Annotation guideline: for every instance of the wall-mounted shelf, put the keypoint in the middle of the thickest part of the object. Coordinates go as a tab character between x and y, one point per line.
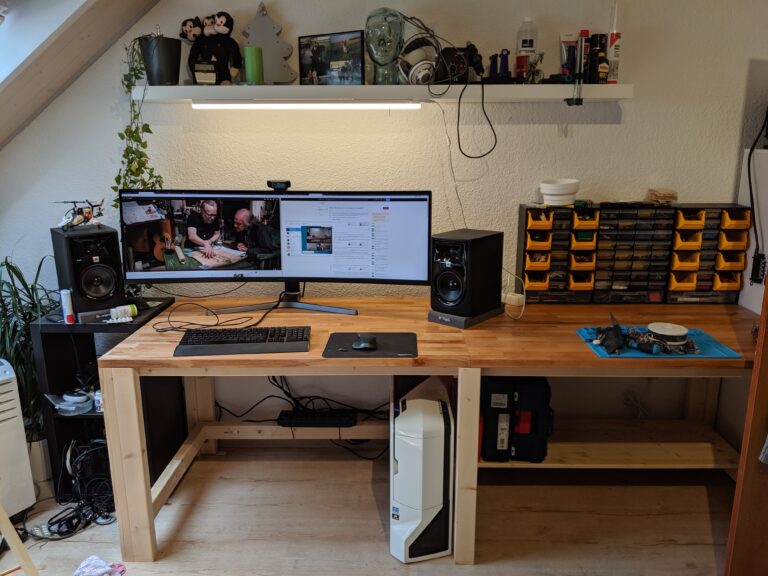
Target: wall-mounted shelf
340	94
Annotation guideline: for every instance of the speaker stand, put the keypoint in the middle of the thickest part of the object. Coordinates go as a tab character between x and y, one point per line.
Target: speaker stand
291	299
462	321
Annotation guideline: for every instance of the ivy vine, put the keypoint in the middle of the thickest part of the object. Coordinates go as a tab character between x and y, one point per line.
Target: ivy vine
135	172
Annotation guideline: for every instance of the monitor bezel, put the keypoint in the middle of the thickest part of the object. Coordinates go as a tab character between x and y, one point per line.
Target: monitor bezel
286	279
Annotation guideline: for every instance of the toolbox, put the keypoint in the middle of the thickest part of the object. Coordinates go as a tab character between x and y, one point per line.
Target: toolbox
517	419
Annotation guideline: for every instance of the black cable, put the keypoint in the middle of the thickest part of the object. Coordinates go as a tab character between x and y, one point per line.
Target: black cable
263	316
168	326
220	407
356	453
485	113
758	259
199	296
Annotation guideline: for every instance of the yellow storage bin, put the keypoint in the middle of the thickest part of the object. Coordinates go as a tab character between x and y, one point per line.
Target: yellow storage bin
586	220
538	240
537	260
733	240
682	281
726	281
690	219
583	244
736	219
685	261
581	281
583	260
687	240
730	261
539	219
537	281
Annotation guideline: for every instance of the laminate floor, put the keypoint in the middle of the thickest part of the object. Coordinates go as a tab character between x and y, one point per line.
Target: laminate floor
322	512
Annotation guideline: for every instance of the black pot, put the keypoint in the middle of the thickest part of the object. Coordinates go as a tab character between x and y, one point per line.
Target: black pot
162	59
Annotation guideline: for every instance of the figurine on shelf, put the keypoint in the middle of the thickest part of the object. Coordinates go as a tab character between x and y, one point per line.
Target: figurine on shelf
215	56
384	41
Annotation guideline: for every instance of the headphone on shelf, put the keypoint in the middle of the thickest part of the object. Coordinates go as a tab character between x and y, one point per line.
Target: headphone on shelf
418	59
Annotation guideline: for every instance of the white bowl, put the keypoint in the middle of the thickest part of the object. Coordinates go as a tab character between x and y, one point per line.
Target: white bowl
559	186
559	192
558	200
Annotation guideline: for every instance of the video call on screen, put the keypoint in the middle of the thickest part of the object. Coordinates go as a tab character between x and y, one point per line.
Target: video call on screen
188	235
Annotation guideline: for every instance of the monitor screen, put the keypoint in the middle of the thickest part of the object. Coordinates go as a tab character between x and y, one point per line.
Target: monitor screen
177	236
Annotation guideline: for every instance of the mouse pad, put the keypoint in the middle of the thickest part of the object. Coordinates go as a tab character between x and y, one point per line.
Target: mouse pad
388	345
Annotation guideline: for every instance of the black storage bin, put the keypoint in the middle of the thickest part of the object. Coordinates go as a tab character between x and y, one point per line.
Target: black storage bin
517	418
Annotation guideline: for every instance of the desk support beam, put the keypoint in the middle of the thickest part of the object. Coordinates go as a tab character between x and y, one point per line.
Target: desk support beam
129	468
467	426
200	398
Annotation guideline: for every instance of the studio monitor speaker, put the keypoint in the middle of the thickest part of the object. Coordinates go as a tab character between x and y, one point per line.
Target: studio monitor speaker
88	263
466	274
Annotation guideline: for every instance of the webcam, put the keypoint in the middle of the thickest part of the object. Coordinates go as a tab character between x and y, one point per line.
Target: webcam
279	185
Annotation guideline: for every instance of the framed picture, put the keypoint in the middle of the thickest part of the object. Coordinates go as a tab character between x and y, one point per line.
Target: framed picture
331	58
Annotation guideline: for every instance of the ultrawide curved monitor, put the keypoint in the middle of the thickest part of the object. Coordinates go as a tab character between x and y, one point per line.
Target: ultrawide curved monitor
218	235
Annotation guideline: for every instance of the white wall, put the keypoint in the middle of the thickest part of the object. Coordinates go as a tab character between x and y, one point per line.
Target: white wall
28	24
688	59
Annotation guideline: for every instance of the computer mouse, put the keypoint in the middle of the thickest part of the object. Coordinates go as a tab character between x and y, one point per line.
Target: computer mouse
365	342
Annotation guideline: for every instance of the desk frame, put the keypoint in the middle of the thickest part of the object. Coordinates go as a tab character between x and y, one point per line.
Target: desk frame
468	355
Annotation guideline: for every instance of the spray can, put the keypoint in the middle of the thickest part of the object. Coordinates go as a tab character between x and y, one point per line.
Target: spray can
66	306
614	46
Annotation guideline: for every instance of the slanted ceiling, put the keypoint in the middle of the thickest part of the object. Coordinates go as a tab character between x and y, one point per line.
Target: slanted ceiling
61	58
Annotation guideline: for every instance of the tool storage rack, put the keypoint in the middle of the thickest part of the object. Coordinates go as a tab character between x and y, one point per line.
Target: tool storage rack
633	253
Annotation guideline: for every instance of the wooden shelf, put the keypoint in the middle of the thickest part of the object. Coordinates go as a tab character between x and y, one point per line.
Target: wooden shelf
341	94
636	444
365	430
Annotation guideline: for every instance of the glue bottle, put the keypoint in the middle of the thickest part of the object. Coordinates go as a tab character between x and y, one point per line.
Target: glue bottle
527	37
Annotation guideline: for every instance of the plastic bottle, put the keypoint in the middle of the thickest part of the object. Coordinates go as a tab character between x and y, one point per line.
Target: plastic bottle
614	46
527	37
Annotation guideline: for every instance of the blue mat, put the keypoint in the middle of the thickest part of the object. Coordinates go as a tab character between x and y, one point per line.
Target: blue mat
709	347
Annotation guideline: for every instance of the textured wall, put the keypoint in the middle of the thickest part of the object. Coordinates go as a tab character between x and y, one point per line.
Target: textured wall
688	59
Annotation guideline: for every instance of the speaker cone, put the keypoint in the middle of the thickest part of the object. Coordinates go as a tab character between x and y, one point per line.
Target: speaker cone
450	287
98	281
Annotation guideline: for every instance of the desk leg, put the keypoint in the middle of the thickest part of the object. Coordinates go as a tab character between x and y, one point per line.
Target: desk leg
200	396
127	444
467	431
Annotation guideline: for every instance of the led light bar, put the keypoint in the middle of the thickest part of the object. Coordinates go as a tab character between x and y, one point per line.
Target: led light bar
210	105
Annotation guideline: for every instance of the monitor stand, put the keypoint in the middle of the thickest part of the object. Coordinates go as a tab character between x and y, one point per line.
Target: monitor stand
291	299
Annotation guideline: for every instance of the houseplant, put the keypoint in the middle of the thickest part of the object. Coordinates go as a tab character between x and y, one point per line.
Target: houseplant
135	171
21	302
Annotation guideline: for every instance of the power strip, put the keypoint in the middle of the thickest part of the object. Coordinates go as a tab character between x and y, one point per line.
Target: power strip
513	299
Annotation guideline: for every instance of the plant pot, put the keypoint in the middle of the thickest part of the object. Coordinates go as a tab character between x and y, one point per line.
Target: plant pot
162	59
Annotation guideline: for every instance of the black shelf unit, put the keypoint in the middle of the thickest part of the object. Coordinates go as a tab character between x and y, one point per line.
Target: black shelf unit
64	350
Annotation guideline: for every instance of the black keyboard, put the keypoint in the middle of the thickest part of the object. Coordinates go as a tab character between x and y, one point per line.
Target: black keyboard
217	341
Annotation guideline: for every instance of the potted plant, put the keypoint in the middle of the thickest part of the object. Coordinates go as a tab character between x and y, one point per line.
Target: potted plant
21	302
135	171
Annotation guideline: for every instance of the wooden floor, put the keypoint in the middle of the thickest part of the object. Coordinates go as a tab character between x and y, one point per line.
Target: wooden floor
322	512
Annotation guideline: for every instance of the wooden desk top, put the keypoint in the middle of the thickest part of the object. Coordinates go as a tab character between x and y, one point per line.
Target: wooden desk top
543	342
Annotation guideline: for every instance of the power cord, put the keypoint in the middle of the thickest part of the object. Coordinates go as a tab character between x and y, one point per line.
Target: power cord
168	325
506	293
758	258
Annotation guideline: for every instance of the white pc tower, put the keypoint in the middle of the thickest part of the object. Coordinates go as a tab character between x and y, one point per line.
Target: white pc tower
17	491
421	474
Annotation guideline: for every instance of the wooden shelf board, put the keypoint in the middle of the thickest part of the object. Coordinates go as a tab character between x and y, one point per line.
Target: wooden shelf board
295	93
366	430
633	444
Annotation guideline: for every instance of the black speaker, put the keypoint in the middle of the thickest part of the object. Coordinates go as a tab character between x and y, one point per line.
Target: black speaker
466	272
88	263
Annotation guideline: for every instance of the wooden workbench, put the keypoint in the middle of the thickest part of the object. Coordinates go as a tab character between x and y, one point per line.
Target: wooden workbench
543	343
